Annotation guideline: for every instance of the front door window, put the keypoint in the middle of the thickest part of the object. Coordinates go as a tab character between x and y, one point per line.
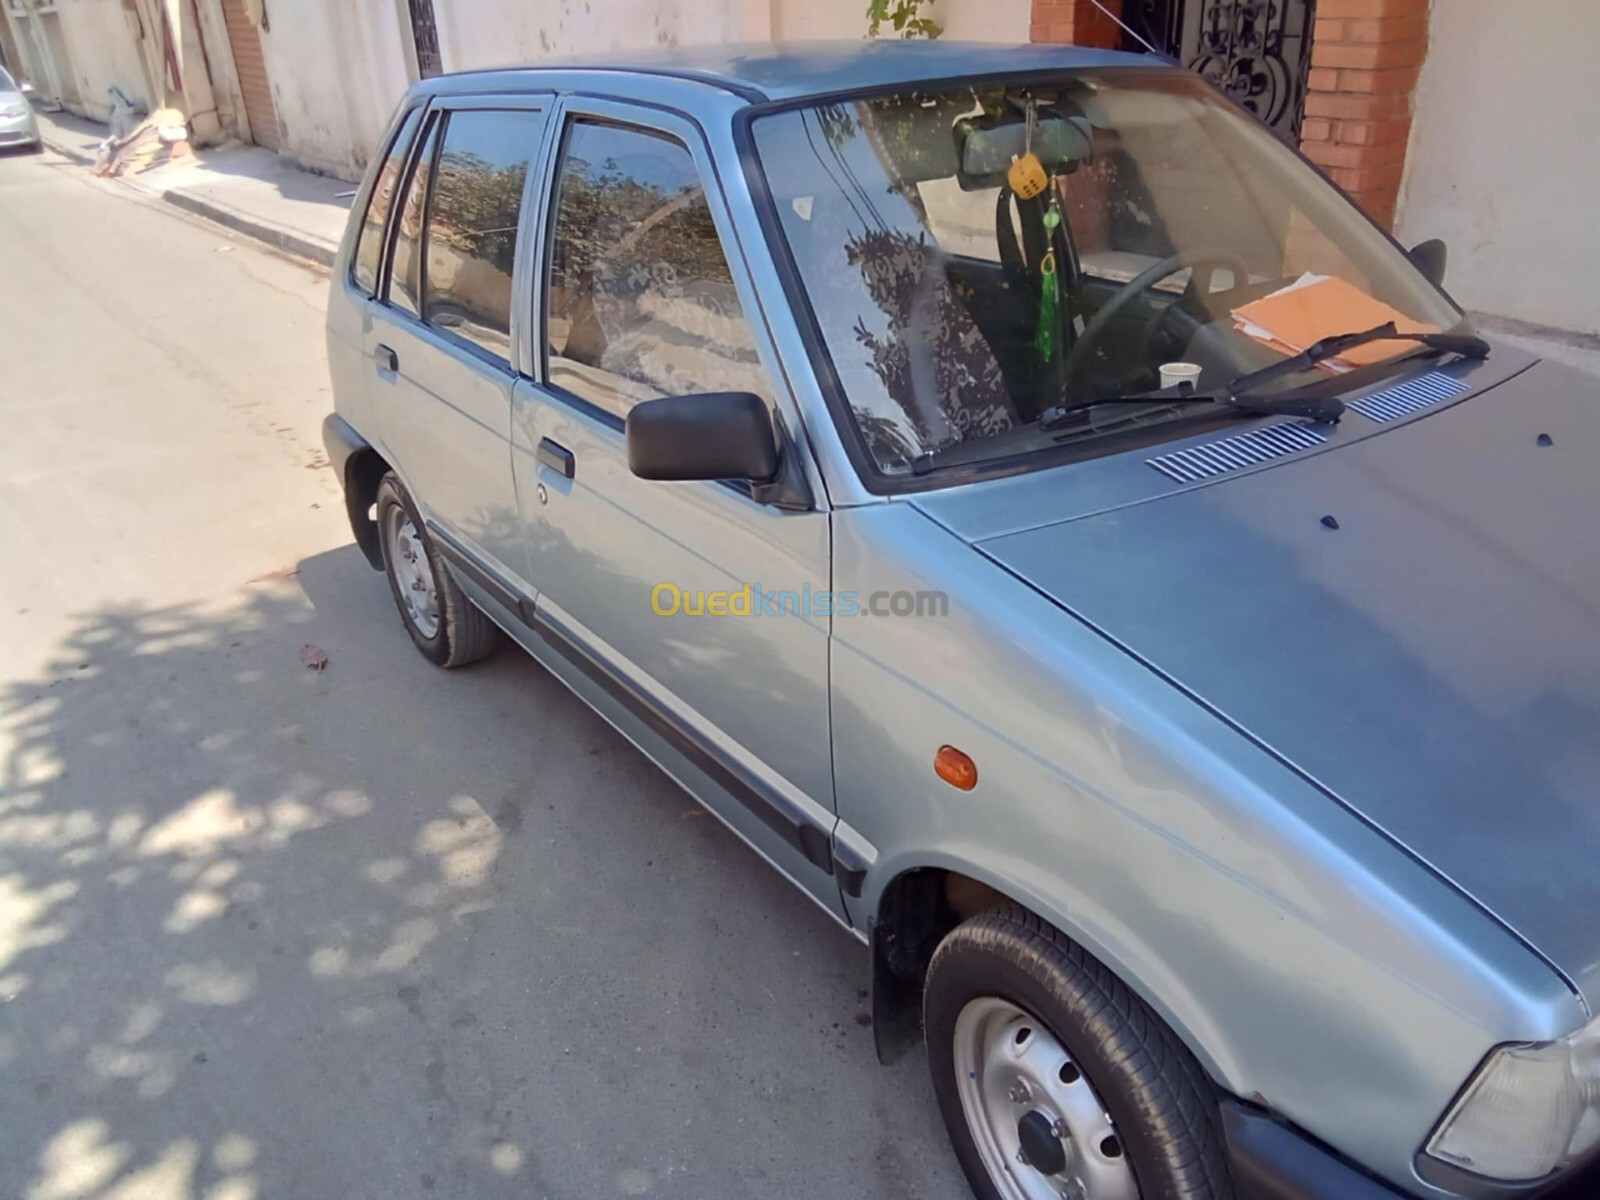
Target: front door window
641	300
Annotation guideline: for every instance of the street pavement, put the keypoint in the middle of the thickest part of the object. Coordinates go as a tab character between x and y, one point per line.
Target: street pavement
377	930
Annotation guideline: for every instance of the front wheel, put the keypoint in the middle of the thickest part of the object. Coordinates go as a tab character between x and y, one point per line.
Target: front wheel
449	629
1055	1081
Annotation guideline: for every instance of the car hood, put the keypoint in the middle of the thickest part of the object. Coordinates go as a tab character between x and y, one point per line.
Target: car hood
1410	619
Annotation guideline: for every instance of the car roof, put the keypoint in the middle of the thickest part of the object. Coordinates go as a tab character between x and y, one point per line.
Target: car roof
797	70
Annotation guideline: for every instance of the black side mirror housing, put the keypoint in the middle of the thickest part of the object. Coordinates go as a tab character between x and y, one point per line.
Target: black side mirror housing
1430	258
714	435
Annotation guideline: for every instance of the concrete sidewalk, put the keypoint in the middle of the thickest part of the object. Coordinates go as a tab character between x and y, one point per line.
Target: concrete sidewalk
245	188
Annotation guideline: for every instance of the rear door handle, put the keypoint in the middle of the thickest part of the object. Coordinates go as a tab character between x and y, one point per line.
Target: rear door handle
557	457
386	358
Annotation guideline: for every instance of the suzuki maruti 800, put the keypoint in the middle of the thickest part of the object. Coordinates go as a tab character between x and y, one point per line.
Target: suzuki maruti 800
1048	522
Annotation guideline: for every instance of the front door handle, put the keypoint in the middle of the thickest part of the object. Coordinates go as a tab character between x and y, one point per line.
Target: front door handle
386	358
557	457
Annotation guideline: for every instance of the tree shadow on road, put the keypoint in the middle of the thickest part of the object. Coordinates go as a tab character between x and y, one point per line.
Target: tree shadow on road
380	930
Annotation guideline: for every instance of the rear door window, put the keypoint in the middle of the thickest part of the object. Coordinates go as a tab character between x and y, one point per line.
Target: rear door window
471	224
365	266
405	269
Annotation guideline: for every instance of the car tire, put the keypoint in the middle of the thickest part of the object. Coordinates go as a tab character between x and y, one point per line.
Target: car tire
1036	1048
447	627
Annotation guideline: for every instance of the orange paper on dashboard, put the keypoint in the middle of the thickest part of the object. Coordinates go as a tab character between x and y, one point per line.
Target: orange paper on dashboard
1300	316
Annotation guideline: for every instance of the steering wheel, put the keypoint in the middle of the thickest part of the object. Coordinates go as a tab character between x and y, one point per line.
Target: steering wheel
1094	332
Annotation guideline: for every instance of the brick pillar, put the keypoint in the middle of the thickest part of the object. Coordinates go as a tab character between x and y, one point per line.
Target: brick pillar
1075	21
1365	57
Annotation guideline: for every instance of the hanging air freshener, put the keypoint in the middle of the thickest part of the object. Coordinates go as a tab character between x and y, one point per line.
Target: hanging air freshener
1049	328
1026	175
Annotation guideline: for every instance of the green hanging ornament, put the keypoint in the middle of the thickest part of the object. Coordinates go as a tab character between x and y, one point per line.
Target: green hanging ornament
1044	338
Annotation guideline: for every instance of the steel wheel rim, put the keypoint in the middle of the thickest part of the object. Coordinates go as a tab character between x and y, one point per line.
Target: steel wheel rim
413	572
1016	1080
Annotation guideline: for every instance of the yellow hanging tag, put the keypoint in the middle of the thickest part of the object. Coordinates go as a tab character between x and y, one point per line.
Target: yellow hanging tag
1026	176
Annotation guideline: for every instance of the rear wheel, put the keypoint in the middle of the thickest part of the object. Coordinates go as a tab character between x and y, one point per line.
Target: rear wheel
449	629
1055	1081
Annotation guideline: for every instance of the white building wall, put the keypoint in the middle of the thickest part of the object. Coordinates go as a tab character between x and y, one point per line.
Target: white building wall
337	72
1504	162
104	38
488	33
493	33
26	62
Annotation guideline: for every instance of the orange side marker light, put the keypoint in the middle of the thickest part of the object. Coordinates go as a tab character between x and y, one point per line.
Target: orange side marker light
956	768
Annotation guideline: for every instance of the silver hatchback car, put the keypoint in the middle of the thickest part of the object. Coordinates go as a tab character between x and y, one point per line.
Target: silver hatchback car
19	125
1048	522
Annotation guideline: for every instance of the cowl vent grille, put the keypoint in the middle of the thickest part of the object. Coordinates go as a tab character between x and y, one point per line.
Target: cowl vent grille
1412	396
1238	452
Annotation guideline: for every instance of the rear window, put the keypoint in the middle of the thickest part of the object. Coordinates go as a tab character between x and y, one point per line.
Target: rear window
405	266
369	245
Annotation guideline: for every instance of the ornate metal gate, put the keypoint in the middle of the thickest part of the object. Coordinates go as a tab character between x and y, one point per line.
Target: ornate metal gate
1258	51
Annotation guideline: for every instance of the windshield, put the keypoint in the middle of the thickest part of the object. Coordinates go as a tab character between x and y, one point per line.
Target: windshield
6	83
976	257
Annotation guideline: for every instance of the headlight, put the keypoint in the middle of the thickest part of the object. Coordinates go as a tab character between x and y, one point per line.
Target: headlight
14	110
1529	1110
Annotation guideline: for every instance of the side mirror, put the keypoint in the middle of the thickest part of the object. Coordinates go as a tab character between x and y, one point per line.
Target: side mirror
1430	258
29	92
716	435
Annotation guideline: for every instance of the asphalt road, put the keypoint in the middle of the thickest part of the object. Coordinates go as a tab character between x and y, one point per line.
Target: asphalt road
374	931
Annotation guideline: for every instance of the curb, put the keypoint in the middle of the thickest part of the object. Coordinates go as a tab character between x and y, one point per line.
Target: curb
272	235
77	156
276	236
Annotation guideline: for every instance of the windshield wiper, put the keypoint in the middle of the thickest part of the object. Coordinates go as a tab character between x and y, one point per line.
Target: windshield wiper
1238	393
1465	345
1317	408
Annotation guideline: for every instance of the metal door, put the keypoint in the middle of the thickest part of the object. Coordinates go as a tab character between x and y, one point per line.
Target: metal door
738	692
441	402
250	66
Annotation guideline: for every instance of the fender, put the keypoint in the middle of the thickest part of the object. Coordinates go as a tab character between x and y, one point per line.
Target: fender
359	468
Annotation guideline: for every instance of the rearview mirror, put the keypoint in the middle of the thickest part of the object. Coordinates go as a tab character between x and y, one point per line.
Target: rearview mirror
715	435
1430	257
986	152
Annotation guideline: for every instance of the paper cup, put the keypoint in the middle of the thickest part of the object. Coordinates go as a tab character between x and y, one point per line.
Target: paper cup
1172	374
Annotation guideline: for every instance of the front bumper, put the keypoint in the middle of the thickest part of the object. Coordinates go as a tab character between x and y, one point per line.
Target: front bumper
1272	1161
19	131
